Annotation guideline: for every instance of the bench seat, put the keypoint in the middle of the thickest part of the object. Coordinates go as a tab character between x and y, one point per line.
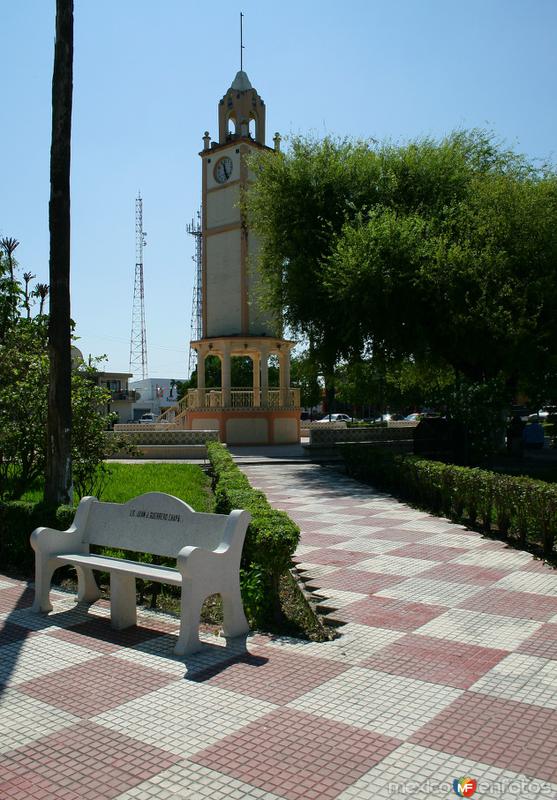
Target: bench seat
148	572
207	549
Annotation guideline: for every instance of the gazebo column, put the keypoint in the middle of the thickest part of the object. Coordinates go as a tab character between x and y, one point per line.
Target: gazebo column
201	377
256	361
284	364
225	375
265	377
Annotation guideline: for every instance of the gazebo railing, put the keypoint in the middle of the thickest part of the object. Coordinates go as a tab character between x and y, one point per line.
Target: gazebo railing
274	399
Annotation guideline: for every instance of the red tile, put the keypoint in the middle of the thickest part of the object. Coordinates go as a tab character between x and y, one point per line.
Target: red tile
268	674
394	535
16	597
429	552
320	540
338	558
95	686
297	755
386	612
524	605
10	633
353	580
542	643
507	734
98	634
463	573
81	762
436	660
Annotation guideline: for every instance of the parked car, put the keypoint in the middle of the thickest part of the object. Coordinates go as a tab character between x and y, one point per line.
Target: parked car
148	418
335	418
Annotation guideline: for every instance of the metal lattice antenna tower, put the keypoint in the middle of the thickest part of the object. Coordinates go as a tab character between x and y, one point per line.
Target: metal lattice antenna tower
196	332
138	342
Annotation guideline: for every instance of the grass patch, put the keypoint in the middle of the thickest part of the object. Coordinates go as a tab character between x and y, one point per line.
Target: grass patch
186	481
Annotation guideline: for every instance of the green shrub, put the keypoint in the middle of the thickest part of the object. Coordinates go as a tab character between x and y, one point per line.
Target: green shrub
271	538
522	508
18	520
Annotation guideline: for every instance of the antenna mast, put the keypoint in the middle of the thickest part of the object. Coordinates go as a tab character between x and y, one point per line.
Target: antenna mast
241	41
138	342
194	229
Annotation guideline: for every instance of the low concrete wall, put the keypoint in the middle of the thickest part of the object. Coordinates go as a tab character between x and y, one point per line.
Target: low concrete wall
323	444
149	426
402	423
170	451
324	435
306	426
166	437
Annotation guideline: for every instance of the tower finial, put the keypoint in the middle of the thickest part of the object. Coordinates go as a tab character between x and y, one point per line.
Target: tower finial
241	41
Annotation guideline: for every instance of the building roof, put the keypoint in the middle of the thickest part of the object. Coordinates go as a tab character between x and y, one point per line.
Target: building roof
241	82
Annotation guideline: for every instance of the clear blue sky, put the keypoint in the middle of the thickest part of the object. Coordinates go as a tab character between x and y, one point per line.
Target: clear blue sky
147	80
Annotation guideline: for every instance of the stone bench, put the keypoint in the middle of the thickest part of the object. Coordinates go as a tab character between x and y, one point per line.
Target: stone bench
207	549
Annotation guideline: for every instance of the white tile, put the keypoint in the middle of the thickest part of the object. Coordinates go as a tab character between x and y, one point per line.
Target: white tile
367	545
39	655
494	559
189	781
523	678
425	774
24	719
185	715
339	599
355	644
395	565
475	627
389	704
428	590
452	538
529	582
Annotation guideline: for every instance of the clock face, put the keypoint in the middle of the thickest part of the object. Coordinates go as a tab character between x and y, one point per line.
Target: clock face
223	170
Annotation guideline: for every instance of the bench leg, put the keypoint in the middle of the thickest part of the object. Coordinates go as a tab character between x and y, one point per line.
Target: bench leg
190	612
43	575
123	610
234	619
87	589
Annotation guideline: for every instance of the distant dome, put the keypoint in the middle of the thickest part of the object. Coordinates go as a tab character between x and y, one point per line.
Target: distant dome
241	82
77	357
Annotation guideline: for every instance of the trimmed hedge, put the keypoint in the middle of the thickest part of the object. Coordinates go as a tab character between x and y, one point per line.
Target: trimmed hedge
521	508
18	519
271	537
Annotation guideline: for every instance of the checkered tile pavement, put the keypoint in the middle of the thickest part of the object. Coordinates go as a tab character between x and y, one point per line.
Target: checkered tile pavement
446	666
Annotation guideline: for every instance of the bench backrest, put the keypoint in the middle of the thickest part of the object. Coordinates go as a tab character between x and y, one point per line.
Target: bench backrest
152	523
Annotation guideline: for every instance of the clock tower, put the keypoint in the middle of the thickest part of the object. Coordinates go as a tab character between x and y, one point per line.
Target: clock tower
233	322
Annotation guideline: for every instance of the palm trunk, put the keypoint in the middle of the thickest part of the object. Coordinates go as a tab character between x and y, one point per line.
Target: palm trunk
58	467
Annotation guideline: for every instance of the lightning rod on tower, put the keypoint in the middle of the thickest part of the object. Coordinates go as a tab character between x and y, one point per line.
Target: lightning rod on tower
138	342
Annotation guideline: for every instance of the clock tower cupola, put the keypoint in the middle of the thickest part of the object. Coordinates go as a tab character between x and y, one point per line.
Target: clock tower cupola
234	322
241	112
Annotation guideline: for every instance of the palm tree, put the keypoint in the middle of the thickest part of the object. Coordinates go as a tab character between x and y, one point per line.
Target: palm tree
41	291
58	459
8	245
27	277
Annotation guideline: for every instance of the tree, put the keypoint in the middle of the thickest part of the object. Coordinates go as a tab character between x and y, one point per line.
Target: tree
298	206
24	372
58	462
432	252
41	291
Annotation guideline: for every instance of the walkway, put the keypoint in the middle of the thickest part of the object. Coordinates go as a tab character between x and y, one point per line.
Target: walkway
446	667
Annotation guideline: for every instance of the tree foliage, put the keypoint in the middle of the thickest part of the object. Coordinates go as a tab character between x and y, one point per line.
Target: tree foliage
434	252
24	375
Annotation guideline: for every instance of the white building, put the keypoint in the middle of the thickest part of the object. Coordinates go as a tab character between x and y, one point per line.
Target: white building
154	394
